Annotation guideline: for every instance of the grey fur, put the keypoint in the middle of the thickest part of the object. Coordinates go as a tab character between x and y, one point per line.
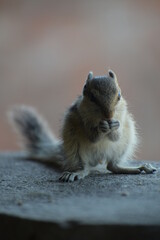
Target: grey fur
37	137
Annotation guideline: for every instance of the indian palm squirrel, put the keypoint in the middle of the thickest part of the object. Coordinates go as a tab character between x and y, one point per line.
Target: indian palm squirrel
98	132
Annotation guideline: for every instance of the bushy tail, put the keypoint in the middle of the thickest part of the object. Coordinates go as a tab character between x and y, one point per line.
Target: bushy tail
36	136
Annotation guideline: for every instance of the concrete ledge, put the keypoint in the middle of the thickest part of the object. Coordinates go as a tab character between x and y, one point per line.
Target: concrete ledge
20	228
35	205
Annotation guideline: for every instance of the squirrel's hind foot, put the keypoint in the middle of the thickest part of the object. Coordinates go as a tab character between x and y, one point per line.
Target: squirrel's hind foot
147	168
115	168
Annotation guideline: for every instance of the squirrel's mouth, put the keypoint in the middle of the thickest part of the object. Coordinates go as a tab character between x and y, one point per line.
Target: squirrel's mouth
108	114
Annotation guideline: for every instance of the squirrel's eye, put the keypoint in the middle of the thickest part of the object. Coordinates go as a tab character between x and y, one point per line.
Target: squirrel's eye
119	96
92	97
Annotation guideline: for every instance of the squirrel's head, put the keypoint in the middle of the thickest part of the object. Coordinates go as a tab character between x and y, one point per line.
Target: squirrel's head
103	91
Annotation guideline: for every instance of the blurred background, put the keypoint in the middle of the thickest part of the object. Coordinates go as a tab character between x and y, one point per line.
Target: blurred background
48	47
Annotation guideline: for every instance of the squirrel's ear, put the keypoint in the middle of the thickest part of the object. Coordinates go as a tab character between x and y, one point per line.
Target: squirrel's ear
111	74
90	76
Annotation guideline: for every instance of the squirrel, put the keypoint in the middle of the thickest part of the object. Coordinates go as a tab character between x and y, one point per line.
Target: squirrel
98	132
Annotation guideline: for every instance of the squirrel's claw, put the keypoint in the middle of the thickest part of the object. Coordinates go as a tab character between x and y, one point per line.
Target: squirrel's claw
69	177
72	176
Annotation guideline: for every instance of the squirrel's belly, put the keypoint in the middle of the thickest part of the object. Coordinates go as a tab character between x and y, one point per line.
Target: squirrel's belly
96	156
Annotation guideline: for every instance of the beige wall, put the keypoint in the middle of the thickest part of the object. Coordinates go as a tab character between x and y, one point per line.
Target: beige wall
48	47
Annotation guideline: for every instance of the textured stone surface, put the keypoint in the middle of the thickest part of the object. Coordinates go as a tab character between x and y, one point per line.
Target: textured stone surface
35	205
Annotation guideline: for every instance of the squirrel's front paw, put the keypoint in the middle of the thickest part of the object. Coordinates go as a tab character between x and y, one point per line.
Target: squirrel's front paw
113	124
104	126
71	176
110	125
